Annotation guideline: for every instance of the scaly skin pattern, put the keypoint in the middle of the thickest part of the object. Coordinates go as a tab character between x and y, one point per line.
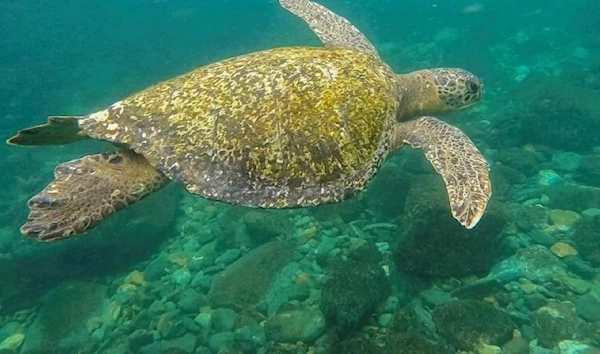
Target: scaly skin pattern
332	29
86	191
431	91
279	128
454	156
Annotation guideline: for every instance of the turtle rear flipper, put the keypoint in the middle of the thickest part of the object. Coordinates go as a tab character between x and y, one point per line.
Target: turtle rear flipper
58	130
86	191
455	157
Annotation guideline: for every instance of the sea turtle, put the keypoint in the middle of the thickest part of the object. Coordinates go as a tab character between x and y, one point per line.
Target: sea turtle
279	128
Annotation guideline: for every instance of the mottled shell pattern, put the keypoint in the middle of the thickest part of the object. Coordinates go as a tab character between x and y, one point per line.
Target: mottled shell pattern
279	128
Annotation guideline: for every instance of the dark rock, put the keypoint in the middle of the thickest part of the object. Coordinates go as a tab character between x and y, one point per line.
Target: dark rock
530	217
518	317
559	119
204	236
205	257
282	288
435	296
143	319
511	175
231	233
564	283
503	189
573	197
414	318
202	282
296	324
228	256
190	301
157	308
250	335
220	341
183	344
413	343
300	291
62	313
165	289
244	283
467	323
519	160
554	323
140	338
143	298
223	320
542	237
195	265
9	280
203	350
156	269
181	277
590	333
512	243
366	252
580	267
179	328
190	325
587	240
481	288
165	325
351	292
266	225
589	170
534	301
350	210
540	265
356	345
588	307
507	270
151	348
435	245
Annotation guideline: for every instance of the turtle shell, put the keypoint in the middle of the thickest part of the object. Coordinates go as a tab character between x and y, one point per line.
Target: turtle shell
278	128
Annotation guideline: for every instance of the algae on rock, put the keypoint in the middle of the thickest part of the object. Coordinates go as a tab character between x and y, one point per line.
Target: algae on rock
466	324
351	292
245	282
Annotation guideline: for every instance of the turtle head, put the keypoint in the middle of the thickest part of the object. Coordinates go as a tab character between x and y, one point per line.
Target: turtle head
432	91
456	88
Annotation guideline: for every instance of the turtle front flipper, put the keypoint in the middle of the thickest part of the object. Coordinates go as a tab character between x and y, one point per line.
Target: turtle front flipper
332	29
453	155
57	131
86	191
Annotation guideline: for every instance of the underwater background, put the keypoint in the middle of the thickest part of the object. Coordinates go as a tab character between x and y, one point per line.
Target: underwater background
388	271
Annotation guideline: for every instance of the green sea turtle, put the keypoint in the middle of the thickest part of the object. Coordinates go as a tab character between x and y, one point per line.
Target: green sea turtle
279	128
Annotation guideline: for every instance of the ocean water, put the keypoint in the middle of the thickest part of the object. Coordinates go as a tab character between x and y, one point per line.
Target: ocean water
387	271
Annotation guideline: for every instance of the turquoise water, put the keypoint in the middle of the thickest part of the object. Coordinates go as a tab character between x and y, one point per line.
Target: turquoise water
388	271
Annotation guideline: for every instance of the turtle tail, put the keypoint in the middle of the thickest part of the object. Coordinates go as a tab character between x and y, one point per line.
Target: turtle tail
57	131
88	190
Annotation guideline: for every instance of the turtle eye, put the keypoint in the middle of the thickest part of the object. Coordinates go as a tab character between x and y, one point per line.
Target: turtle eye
115	159
472	86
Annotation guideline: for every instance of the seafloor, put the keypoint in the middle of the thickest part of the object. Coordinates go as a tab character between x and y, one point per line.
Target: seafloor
388	271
